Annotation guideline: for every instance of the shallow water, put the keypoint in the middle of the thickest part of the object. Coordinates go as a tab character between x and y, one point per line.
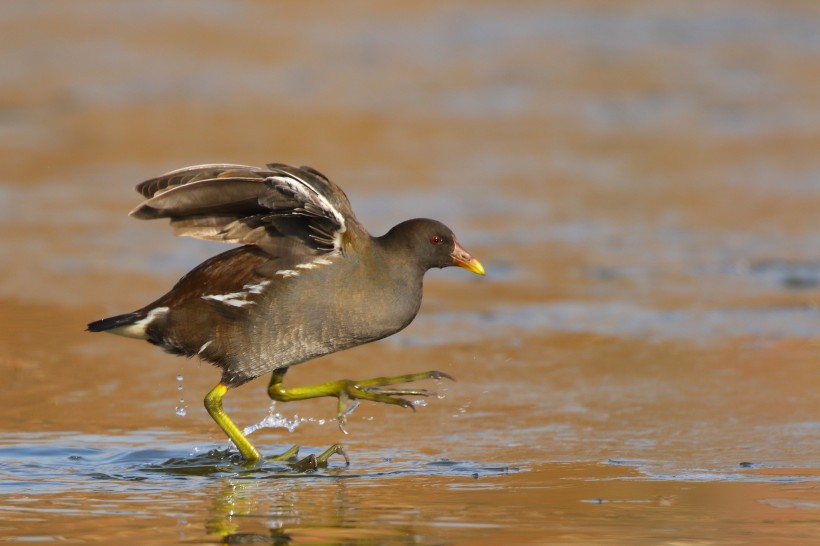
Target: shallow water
639	366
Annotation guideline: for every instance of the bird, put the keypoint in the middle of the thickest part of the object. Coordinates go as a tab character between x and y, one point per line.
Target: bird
307	280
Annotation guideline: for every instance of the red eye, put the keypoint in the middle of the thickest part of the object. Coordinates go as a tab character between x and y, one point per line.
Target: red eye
436	239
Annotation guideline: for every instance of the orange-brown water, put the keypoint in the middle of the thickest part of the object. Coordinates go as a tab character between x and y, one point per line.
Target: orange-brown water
641	181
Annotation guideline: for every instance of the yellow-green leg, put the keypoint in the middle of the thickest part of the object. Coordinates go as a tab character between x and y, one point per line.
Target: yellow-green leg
348	391
213	403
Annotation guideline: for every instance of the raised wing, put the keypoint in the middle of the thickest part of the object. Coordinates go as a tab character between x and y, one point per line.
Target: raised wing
287	211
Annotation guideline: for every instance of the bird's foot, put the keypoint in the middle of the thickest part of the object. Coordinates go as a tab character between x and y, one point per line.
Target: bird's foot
311	462
378	389
349	392
314	462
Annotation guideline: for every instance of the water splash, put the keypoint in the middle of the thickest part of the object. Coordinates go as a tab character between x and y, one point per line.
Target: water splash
351	407
274	419
319	422
442	389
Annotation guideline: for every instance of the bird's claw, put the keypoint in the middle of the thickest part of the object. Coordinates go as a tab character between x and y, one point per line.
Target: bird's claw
314	462
373	390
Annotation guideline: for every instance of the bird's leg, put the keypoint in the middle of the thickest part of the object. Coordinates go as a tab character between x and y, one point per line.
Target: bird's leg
213	403
349	392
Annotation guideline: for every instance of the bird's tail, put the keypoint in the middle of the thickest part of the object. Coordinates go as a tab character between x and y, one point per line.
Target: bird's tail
129	325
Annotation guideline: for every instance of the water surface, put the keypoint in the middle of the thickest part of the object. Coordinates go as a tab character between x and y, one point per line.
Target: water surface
639	366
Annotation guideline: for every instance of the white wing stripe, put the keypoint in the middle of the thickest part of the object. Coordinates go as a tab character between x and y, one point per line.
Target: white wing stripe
310	195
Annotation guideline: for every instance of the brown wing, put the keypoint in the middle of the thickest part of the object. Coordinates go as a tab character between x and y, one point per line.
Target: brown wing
287	211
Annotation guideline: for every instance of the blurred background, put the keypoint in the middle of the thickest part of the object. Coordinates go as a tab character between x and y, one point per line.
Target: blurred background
640	179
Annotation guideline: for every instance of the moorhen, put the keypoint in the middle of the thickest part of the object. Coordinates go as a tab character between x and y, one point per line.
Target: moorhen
308	280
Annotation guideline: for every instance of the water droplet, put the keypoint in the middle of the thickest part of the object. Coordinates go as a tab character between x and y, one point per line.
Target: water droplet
180	410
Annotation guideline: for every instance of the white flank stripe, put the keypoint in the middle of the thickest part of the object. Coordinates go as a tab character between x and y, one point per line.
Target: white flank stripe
256	288
234	299
287	273
307	266
322	261
239	299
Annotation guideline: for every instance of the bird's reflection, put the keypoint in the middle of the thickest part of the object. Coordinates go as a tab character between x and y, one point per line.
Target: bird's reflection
303	510
236	509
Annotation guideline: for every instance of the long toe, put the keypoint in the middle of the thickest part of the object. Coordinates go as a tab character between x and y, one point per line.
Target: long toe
314	462
401	392
407	378
335	449
287	457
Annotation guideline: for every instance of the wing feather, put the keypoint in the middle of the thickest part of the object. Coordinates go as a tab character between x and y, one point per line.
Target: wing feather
290	212
186	175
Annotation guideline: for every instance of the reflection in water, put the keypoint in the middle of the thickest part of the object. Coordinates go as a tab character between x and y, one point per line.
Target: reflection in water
236	500
261	511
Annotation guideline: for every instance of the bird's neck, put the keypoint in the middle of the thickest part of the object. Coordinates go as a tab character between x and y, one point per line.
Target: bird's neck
395	258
